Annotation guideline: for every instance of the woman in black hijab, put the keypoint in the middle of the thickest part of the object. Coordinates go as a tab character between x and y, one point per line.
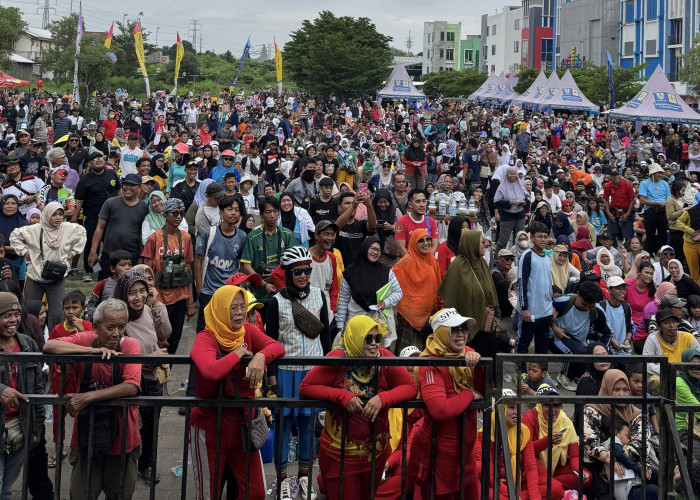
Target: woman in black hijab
386	212
590	381
414	159
448	249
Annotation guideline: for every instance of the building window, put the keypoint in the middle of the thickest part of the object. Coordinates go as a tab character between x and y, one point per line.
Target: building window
546	50
486	51
450	36
629	11
450	54
652	9
487	31
493	68
493	30
517	24
516	46
442	36
442	53
469	55
429	37
628	49
650	48
493	50
523	53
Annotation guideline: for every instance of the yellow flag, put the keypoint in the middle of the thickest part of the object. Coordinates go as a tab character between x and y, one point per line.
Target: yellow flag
138	44
179	52
278	63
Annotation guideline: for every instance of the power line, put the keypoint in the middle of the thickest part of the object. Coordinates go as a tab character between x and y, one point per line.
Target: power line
194	25
45	20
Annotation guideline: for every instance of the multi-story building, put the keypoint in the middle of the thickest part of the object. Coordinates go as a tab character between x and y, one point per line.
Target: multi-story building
657	32
501	41
470	52
441	46
590	27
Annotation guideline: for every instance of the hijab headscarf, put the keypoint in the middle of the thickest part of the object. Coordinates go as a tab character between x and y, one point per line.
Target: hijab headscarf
468	284
454	233
419	277
289	219
9	223
388	215
365	277
33	211
562	422
509	191
565	229
692	382
52	234
415	153
595	377
441	184
627	412
560	272
155	219
664	288
634	270
353	341
144	269
217	316
680	266
512	433
582	233
437	345
126	280
200	196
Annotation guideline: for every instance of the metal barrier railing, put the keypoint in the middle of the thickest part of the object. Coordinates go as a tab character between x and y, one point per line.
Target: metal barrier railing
670	448
159	402
684	466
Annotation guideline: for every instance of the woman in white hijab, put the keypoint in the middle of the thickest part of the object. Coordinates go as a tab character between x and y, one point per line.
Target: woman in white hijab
509	203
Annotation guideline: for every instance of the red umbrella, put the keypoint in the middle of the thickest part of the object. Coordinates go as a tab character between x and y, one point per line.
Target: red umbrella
9	82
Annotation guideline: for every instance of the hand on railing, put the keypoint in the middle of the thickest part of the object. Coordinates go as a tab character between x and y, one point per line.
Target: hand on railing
256	369
354	405
11	398
104	352
371	409
471	358
78	401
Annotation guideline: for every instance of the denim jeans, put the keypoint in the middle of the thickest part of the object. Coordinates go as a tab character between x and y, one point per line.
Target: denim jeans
10	467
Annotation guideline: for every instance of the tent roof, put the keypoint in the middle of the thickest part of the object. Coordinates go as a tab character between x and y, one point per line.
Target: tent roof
8	82
567	95
489	81
492	88
657	102
540	81
535	99
504	92
400	86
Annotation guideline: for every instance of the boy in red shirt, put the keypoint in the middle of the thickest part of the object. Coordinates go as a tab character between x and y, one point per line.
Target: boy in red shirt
73	310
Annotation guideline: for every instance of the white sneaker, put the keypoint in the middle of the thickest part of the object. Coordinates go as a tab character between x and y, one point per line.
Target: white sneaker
303	488
87	278
566	383
286	489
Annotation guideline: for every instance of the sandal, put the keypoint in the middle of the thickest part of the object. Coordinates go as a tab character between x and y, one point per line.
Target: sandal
51	463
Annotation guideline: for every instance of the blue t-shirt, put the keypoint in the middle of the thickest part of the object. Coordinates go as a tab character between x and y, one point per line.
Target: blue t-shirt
224	257
657	192
615	317
217	173
535	284
597	220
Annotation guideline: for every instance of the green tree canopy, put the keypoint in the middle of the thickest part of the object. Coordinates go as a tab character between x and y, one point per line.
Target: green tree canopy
11	27
453	83
123	48
170	51
690	72
344	56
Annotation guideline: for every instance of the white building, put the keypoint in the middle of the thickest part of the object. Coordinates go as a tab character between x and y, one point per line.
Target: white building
33	43
441	46
501	43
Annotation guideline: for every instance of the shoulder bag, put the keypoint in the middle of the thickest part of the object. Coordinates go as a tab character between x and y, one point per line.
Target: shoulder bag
254	432
52	271
306	322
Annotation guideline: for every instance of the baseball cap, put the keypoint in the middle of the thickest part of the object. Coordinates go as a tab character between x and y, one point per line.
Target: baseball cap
665	314
325	224
246	178
409	351
546	390
227	152
449	317
667	248
504	252
614	171
216	190
253	303
604	235
11	158
147	178
614	281
671	300
22	132
95	154
239	278
132	179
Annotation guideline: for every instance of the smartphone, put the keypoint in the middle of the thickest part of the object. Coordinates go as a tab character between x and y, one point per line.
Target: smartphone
381	222
97	267
563	430
363	188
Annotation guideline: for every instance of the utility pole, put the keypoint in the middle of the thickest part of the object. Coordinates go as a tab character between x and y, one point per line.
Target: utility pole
194	26
45	20
200	41
409	41
157	28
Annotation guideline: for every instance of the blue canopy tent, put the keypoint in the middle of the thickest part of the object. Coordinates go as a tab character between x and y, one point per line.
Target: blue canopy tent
567	96
400	87
539	83
487	85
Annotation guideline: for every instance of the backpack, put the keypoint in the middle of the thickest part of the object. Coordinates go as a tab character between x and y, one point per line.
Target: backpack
625	307
592	314
21	113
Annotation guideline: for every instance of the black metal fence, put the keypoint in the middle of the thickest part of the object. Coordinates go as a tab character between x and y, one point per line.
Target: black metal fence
671	452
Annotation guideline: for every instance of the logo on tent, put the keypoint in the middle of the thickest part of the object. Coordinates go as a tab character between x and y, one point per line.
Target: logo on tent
551	93
570	95
401	86
637	101
539	92
666	101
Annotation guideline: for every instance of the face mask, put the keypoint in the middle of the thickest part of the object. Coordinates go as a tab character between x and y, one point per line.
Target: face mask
524	244
308	175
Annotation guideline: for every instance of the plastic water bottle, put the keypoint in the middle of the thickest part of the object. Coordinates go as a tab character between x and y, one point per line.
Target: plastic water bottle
471	202
183	384
169	267
453	208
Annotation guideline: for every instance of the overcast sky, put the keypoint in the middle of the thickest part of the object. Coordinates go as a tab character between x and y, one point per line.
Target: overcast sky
227	24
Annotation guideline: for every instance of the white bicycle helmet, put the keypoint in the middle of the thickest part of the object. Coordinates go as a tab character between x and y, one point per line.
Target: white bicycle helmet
294	255
409	351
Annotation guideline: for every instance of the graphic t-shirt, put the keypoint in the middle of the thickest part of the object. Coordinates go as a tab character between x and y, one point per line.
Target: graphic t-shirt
127	164
224	257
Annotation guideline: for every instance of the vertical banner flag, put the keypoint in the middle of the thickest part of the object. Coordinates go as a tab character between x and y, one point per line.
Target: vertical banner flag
246	52
78	38
138	44
179	52
278	67
611	88
108	40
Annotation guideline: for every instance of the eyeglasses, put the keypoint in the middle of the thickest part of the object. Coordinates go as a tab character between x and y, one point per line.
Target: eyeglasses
459	329
374	250
300	271
228	158
373	338
668	253
177	213
240	308
73	140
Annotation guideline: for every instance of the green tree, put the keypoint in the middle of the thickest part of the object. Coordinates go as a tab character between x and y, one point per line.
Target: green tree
189	65
453	83
123	47
59	59
170	51
526	77
11	27
94	67
343	56
228	57
690	72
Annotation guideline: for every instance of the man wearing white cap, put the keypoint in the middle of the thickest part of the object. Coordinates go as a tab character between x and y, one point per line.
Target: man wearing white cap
653	193
618	316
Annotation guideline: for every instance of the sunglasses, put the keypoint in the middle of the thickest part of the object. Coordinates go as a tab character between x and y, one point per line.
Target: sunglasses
228	158
508	259
300	271
459	329
177	213
74	140
373	338
62	172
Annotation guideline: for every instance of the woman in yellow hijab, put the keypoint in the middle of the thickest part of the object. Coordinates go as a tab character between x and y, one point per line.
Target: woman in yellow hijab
526	478
365	392
216	353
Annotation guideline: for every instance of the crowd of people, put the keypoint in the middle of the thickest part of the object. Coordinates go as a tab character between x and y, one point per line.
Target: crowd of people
294	226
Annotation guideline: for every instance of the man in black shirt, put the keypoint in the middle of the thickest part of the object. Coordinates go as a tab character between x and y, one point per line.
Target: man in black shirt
93	189
186	188
353	232
324	207
330	162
